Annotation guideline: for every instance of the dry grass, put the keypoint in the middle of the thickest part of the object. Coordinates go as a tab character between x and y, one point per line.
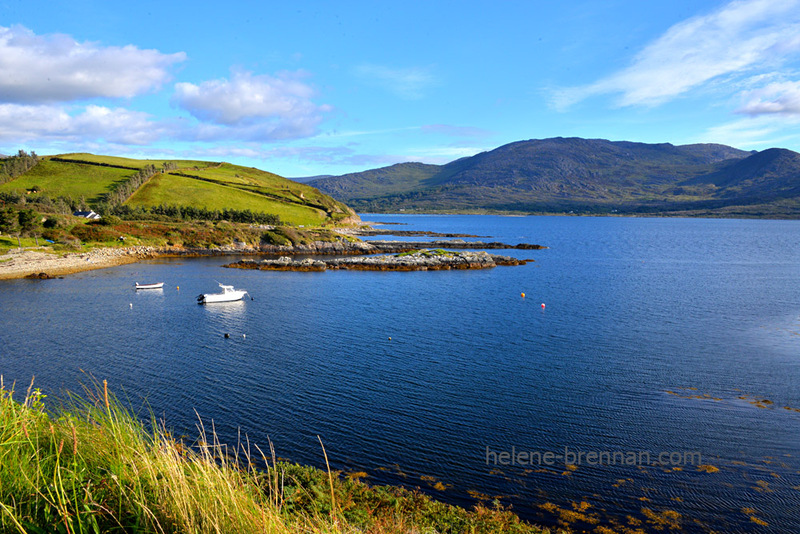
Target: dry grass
94	466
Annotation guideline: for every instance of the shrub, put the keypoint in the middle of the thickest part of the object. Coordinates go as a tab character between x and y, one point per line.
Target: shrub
274	238
93	232
109	220
52	222
54	234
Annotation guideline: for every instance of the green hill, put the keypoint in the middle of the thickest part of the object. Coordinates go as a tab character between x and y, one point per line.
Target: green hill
202	184
563	175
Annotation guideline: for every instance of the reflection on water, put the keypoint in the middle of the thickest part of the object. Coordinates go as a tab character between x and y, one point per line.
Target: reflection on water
225	314
659	335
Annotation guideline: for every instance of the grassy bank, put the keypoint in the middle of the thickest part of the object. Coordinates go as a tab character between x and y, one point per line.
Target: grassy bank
94	466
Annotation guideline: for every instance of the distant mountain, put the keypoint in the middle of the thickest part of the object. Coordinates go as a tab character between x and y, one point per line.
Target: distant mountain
585	176
305	179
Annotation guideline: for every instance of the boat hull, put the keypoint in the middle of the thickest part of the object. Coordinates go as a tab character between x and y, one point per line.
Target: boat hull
160	285
229	296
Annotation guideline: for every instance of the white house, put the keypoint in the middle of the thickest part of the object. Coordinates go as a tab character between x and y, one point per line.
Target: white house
86	214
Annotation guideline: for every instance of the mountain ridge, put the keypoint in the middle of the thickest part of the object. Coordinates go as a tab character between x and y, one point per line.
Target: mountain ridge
563	175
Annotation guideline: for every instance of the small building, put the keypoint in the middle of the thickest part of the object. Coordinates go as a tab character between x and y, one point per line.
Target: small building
86	214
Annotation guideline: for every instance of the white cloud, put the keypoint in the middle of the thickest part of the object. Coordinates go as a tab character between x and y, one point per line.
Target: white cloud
780	98
56	68
743	36
275	107
406	83
47	123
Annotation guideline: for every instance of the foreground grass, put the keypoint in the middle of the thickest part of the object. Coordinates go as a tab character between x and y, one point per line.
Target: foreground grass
94	466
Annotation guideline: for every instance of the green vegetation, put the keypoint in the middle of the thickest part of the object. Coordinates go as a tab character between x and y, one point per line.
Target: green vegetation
25	222
428	252
105	183
58	178
94	466
182	191
130	163
14	166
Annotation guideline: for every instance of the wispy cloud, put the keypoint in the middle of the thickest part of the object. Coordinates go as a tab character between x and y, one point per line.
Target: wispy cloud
406	83
743	37
359	133
37	69
462	132
752	132
780	98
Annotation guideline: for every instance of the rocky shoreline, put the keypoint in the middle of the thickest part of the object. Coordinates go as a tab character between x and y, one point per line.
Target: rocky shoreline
419	260
41	264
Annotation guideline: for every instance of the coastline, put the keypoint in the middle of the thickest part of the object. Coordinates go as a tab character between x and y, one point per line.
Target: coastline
29	263
39	263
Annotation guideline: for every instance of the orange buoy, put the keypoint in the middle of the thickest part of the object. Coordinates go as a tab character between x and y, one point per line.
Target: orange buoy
522	295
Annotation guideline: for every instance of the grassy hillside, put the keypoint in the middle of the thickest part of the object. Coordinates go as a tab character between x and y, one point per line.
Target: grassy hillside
173	189
69	179
209	185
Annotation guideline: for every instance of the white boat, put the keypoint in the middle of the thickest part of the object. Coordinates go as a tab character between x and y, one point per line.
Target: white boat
159	285
228	295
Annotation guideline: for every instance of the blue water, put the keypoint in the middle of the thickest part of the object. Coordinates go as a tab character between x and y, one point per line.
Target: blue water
658	335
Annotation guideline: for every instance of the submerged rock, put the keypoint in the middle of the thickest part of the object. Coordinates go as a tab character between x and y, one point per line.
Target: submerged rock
40	276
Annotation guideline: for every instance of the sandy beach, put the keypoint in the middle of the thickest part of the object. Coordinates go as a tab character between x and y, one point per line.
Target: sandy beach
22	263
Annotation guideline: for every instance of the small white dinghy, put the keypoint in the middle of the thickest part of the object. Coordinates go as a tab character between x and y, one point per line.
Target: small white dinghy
228	295
159	285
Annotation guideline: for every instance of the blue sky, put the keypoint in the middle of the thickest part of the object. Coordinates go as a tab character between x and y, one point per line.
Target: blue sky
307	88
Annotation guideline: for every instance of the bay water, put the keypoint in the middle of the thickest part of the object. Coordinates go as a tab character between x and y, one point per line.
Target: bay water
656	387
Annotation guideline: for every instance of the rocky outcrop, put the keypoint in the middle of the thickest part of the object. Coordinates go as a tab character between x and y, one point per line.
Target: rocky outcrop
341	248
40	276
420	260
406	246
284	263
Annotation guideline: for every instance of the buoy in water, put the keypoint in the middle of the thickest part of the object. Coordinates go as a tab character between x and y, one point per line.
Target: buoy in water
131	305
542	305
244	336
522	295
178	288
227	336
390	338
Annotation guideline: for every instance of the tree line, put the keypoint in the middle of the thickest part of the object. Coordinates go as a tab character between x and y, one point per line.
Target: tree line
193	213
62	204
66	205
123	190
14	166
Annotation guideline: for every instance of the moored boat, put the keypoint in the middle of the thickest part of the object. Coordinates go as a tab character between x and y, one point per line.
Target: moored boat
229	294
158	285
